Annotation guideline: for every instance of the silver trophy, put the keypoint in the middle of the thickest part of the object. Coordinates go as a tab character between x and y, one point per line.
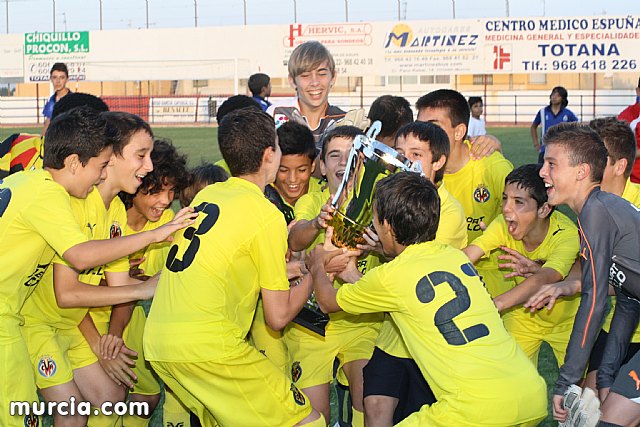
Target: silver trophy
369	161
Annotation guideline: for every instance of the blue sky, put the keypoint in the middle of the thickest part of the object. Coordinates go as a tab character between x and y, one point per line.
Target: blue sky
72	15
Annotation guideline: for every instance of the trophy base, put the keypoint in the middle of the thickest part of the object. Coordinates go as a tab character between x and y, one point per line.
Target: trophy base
346	232
315	321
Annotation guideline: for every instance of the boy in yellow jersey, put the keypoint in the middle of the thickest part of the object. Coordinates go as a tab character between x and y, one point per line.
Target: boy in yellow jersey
292	181
195	336
48	316
348	338
621	148
530	226
476	183
393	384
149	208
36	221
478	373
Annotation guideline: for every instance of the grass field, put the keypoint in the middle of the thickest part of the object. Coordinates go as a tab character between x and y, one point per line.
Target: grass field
200	144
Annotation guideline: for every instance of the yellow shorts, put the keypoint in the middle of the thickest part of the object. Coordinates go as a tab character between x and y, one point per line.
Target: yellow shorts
56	353
529	332
243	390
17	384
312	355
267	341
148	382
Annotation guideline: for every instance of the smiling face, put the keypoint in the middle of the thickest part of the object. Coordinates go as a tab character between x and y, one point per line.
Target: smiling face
520	210
153	205
313	87
292	180
335	161
93	173
559	176
416	150
134	163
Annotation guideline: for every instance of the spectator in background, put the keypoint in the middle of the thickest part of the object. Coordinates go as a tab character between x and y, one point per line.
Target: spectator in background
260	87
59	76
631	114
476	122
393	112
554	113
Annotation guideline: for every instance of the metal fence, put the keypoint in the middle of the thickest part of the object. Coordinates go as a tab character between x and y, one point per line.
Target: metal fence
501	108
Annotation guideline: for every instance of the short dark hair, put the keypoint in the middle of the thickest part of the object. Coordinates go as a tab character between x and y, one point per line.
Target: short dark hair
243	136
296	138
60	66
125	124
410	204
619	140
450	100
392	111
473	100
257	82
78	99
432	134
81	131
563	94
236	102
527	178
200	177
583	145
338	132
169	168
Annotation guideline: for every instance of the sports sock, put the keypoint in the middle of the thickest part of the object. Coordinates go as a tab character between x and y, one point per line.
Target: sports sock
358	418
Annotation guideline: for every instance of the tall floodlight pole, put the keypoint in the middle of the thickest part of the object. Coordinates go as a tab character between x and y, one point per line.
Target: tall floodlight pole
6	6
295	11
544	8
244	5
507	7
398	10
100	14
54	16
453	6
195	12
147	12
346	10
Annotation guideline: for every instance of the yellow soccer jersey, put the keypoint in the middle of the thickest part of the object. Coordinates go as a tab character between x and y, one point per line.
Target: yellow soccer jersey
478	186
36	221
155	254
207	294
558	251
117	221
21	151
454	333
308	207
632	194
92	216
452	231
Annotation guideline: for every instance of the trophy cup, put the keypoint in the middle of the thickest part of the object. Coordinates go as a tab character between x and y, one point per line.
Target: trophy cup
369	161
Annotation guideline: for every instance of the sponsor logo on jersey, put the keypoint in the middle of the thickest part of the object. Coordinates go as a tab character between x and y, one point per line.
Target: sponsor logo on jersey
37	274
481	194
297	395
296	371
31	421
634	377
47	366
115	230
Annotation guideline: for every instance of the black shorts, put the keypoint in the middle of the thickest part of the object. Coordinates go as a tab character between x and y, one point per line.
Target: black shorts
627	382
387	375
598	350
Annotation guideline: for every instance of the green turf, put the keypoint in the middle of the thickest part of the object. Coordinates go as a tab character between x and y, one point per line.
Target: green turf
200	144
